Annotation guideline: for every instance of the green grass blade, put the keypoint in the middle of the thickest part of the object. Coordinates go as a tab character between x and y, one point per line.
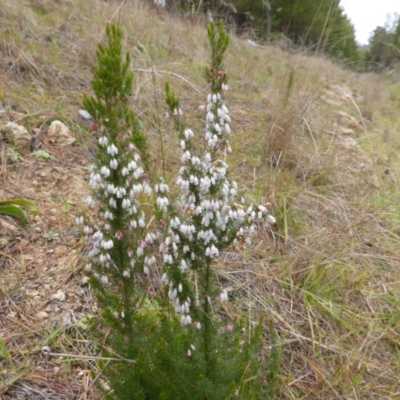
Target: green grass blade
4	353
18	375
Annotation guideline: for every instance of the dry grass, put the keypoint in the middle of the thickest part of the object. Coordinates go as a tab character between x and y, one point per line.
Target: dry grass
328	275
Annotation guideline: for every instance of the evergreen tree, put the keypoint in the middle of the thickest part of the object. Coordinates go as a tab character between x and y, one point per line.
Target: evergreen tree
171	344
384	51
396	34
318	25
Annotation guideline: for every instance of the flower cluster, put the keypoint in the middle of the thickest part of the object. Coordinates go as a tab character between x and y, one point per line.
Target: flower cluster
208	218
217	123
117	180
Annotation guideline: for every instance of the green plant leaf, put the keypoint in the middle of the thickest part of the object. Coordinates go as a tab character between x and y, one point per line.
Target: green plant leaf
84	323
42	154
30	205
13	155
14	211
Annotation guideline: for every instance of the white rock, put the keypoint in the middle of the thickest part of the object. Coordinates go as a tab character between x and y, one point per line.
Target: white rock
59	295
17	135
60	134
84	114
42	315
85	280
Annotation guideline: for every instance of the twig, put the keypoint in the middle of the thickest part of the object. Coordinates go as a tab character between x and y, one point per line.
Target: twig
46	351
169	73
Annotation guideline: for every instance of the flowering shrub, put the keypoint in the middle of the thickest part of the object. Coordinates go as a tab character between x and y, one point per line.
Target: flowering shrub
180	346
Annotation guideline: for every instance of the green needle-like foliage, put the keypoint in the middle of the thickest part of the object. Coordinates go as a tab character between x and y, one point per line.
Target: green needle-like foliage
112	86
176	346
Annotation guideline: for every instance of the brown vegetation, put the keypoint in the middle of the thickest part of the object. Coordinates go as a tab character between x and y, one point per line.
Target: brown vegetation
328	276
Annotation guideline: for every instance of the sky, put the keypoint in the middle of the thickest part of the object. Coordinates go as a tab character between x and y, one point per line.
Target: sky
366	15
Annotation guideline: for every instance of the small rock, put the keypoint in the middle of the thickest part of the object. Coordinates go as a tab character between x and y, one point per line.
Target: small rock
59	296
60	134
85	280
42	315
60	250
3	242
56	370
17	135
347	120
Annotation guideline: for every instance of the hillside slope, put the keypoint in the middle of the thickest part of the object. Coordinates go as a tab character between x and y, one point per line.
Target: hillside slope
317	141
